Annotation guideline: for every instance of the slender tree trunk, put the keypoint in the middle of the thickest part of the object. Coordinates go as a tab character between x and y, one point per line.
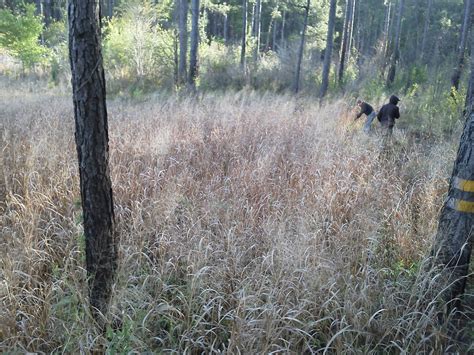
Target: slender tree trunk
301	49
274	37
253	21
453	244
183	40
386	31
244	34
258	23
269	32
357	38
57	13
226	29
328	51
396	54
462	45
193	58
47	11
283	20
426	28
39	7
345	41
351	32
110	8
176	56
90	113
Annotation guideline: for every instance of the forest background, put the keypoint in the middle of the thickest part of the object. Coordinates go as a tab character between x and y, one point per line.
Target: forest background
253	215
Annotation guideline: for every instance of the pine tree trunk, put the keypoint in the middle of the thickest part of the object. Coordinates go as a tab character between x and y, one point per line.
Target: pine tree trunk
462	45
345	40
386	31
357	37
274	39
426	29
454	239
258	23
269	32
283	21
47	11
244	34
183	40
396	52
39	7
351	32
110	8
90	112
226	29
301	48
328	51
193	61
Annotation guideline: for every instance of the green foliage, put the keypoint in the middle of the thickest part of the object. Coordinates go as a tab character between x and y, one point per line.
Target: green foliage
20	33
137	49
220	67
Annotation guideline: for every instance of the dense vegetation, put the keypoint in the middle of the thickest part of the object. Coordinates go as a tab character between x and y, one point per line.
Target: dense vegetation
251	219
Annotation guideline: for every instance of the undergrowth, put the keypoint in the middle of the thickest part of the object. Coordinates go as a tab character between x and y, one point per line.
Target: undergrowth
248	223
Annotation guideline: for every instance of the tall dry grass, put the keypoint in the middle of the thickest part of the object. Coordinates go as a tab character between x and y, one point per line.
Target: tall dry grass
249	223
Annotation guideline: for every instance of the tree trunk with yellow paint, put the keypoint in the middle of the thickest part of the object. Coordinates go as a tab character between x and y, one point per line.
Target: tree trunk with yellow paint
454	239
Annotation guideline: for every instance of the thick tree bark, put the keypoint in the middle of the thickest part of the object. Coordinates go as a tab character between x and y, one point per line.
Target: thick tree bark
454	239
90	112
244	33
396	51
301	48
183	39
193	58
426	28
328	51
345	40
462	45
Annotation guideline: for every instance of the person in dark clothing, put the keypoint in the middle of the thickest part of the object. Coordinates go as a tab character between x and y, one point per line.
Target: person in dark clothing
387	116
368	110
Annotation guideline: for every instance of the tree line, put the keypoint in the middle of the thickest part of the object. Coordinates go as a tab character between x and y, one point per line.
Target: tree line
324	44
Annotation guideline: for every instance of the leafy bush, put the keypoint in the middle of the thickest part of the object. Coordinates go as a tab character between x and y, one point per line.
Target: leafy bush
20	33
137	50
220	67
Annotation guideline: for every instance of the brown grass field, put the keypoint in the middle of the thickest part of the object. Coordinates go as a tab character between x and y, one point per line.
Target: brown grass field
248	223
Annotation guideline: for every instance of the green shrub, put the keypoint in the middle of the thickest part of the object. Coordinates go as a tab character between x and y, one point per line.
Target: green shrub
137	50
20	33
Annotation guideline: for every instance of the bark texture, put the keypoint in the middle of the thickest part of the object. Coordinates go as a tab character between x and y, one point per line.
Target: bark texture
91	134
454	238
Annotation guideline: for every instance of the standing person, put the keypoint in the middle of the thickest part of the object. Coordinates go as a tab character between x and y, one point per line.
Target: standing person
368	110
387	115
